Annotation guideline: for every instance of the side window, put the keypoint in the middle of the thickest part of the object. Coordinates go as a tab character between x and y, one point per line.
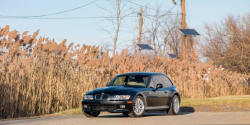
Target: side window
120	81
157	79
166	81
151	85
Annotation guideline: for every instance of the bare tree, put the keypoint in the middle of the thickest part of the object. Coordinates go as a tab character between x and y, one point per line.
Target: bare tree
172	34
228	43
119	11
161	32
106	46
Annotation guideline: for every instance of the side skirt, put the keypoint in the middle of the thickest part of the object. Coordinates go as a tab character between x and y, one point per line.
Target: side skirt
156	107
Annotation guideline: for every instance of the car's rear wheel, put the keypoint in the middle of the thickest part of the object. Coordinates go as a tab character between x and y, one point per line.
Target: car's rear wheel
175	106
91	114
138	107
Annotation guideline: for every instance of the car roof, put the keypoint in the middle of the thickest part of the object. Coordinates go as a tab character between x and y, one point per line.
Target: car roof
142	73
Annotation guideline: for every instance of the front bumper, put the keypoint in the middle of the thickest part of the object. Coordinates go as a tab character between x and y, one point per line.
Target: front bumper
110	106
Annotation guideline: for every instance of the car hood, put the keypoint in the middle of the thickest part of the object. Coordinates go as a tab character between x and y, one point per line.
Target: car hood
113	90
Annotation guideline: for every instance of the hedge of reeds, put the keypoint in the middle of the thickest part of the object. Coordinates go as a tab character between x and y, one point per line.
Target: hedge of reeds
39	76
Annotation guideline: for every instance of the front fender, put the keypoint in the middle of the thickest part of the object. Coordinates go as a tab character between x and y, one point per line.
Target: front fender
176	93
144	97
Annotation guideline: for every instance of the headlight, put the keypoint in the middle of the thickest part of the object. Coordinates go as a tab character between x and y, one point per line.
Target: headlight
120	97
88	97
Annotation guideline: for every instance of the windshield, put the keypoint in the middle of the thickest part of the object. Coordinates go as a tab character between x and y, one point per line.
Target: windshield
131	80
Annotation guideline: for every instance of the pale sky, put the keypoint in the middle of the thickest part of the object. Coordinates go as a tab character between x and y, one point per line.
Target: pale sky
86	31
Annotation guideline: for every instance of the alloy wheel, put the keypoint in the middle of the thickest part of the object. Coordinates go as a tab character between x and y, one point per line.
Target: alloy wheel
138	106
176	105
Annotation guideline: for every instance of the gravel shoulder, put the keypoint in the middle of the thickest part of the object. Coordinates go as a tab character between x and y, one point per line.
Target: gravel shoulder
149	118
188	106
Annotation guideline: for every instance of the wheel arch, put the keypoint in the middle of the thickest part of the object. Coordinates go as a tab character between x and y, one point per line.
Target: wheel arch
143	96
179	96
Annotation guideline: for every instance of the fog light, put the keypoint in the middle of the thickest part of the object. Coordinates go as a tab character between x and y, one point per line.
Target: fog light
85	106
122	106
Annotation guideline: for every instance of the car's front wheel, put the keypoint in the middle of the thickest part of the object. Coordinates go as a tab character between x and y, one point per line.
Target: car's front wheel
138	107
91	114
175	106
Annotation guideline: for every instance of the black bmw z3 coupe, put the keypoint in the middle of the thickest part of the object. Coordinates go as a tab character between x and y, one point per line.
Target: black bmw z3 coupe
132	94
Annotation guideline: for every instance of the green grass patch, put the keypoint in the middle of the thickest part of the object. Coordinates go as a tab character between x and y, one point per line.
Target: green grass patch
225	100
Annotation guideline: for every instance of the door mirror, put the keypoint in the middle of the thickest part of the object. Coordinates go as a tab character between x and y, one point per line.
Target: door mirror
159	85
107	85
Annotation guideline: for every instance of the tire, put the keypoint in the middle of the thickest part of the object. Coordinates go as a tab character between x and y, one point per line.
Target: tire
175	106
91	114
138	107
125	113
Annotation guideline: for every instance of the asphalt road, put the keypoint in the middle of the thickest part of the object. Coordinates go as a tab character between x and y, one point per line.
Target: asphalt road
148	119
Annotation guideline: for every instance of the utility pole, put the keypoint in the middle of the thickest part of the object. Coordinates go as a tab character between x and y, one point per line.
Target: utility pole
140	28
169	43
183	26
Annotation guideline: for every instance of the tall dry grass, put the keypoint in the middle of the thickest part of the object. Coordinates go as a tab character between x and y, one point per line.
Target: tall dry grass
39	76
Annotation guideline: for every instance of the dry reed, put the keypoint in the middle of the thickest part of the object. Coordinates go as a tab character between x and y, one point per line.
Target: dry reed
39	76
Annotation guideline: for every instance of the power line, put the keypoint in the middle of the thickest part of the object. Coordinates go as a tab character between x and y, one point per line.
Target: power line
148	15
141	5
161	15
66	18
49	14
131	8
167	12
152	8
173	6
35	17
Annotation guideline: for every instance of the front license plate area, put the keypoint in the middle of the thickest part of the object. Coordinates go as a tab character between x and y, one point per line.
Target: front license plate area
102	108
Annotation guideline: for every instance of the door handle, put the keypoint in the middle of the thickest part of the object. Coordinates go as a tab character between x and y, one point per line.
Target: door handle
166	92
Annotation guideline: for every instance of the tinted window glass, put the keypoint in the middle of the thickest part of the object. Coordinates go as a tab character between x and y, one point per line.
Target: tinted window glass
120	81
166	81
132	80
157	80
151	85
138	80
